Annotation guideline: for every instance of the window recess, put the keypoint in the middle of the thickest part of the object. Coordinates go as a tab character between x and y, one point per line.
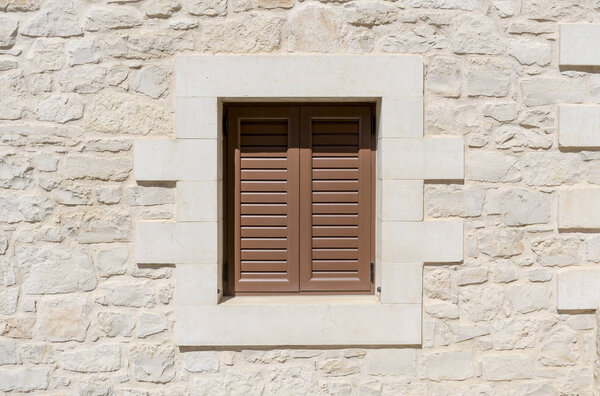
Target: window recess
299	198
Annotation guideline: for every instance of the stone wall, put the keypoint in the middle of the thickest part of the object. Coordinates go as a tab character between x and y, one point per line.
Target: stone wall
80	80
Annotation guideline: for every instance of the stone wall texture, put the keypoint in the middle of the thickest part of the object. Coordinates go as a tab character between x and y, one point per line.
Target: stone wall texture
81	80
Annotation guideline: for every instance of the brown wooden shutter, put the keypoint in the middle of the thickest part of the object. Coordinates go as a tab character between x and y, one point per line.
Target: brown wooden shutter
263	176
335	198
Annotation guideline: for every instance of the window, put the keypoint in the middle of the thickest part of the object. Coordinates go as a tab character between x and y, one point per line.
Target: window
299	198
194	240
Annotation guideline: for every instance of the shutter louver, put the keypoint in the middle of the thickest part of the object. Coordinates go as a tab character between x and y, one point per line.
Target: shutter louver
264	145
335	202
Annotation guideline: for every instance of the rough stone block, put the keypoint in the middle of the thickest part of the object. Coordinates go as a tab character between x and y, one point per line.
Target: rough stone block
453	365
430	241
579	45
579	126
101	358
429	159
190	159
579	209
23	379
578	289
177	243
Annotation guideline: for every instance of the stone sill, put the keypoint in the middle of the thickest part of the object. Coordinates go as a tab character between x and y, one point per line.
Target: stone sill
298	321
301	300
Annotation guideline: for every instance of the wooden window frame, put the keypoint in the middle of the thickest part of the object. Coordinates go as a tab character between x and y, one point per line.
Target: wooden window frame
320	109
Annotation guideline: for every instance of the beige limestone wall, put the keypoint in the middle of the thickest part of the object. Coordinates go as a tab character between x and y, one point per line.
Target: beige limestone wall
80	80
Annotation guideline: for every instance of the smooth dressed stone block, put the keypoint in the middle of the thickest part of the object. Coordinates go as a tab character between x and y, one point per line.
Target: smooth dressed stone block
199	200
318	320
279	76
401	117
429	241
579	126
579	209
424	159
401	283
198	284
401	200
197	118
177	243
578	289
169	159
579	45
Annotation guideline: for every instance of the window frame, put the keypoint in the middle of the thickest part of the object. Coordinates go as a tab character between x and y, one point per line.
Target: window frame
229	271
404	241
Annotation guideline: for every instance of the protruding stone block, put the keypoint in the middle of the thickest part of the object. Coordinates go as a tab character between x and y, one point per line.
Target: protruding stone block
418	159
578	289
579	126
579	209
430	241
579	45
177	243
167	159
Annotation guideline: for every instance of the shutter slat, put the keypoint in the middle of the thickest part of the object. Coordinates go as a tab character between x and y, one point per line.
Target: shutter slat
334	254
337	139
331	185
265	197
335	174
338	196
335	220
249	220
264	266
271	174
264	243
340	242
341	208
260	209
263	163
335	265
322	231
335	162
264	141
265	254
264	186
264	232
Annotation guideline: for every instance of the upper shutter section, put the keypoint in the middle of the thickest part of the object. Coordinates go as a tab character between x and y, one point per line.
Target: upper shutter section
263	177
335	198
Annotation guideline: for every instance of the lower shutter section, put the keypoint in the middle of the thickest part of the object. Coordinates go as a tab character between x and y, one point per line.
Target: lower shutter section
263	175
335	200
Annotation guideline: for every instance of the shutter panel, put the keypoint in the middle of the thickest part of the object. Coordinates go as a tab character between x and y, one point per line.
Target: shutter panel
263	177
335	198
